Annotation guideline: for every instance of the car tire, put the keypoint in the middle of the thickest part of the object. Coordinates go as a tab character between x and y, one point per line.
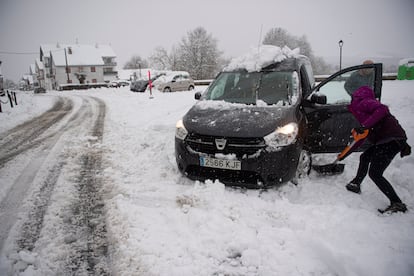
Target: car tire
304	166
190	88
167	89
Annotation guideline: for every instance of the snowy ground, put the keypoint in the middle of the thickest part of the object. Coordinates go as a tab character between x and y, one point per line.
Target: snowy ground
160	223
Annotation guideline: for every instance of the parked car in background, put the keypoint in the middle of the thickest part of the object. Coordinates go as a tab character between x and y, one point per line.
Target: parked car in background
38	90
119	83
258	127
174	81
141	85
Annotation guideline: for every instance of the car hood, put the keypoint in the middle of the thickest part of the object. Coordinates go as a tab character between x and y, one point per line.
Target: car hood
237	120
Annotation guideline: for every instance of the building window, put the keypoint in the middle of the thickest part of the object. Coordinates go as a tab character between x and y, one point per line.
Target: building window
67	69
80	69
94	81
93	69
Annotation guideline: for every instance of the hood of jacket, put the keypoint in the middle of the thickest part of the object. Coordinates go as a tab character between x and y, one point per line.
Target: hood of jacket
366	109
376	116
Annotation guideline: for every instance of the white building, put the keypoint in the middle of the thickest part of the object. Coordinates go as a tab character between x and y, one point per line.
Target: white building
40	70
75	64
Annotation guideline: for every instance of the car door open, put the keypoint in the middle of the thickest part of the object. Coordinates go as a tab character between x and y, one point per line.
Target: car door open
329	122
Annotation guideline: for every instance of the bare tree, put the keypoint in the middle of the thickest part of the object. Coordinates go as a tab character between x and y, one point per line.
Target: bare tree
280	37
160	59
136	62
198	54
163	60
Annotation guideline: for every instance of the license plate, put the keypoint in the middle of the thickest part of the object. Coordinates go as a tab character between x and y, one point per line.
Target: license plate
220	163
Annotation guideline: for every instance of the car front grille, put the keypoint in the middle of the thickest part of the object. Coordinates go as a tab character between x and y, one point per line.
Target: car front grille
233	145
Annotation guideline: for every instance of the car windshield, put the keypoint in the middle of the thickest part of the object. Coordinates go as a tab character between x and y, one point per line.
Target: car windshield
271	87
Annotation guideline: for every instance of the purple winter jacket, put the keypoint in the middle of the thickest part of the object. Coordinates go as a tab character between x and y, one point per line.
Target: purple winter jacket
372	114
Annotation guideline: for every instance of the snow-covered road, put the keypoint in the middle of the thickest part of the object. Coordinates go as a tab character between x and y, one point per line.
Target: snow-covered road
112	201
34	160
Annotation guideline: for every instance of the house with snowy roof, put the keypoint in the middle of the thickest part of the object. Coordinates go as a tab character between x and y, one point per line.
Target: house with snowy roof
72	65
33	74
40	72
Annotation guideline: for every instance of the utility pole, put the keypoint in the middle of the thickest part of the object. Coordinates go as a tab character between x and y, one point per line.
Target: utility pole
67	67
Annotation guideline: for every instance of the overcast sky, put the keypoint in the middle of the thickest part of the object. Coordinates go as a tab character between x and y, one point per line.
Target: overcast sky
369	28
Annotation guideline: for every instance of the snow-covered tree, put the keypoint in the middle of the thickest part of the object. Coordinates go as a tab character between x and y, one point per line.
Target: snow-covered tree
163	60
136	62
160	59
199	55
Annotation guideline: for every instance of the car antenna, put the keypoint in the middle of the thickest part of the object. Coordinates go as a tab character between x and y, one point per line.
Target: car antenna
259	43
258	56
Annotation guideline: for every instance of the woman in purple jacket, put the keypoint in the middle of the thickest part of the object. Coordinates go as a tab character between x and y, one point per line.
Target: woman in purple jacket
387	137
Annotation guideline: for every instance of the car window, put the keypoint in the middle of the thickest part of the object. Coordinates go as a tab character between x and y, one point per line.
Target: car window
271	87
339	90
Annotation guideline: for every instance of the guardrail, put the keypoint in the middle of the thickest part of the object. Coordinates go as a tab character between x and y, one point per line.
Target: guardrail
81	86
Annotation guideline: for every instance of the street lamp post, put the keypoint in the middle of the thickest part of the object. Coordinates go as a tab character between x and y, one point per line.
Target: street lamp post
341	43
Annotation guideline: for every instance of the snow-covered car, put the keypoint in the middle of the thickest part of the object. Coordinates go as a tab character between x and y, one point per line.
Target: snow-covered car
257	124
38	90
141	85
119	83
174	81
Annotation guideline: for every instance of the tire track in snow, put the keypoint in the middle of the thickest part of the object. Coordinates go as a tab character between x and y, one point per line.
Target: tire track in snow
18	140
88	254
31	228
26	136
90	250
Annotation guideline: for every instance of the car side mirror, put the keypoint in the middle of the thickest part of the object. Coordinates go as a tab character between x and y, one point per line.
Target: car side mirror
318	98
197	95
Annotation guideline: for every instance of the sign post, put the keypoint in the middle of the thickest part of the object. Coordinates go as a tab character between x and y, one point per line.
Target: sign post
150	84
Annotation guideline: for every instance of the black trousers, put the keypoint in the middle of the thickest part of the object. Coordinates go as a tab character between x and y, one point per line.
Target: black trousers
374	161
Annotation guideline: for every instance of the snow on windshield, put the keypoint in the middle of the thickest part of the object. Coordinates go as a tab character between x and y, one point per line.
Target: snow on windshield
261	57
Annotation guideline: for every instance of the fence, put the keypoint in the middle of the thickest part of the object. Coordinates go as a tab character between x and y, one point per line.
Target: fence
12	98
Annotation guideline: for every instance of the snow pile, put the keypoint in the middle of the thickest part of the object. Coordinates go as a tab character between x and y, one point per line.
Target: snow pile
218	105
261	57
28	106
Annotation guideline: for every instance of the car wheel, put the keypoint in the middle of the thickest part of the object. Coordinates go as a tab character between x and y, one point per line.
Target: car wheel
167	89
190	88
304	166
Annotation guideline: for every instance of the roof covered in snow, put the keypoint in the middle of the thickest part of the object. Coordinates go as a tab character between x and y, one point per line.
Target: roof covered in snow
261	57
77	54
39	64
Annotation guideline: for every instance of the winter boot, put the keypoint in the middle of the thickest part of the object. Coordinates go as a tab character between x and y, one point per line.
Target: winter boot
394	207
353	187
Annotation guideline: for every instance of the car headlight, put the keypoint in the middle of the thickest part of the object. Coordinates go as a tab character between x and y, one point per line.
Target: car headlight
282	136
180	131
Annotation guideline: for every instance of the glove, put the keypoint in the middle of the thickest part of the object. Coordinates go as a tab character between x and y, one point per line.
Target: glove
360	129
405	149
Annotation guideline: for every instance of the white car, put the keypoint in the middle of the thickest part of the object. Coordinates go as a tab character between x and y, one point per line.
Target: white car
174	81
